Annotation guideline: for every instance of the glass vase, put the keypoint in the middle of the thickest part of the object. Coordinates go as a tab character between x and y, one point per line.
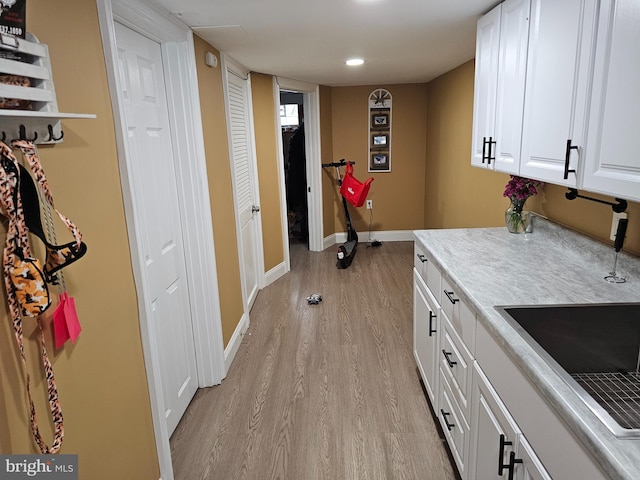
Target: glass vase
516	218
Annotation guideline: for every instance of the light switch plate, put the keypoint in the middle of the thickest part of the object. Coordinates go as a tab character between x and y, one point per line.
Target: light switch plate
614	223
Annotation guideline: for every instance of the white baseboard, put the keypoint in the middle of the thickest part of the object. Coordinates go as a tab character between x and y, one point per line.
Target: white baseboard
363	237
234	344
274	274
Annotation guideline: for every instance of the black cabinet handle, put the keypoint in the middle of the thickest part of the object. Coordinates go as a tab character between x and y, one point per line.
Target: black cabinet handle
484	149
491	157
449	361
421	257
450	426
512	464
450	297
501	464
432	330
567	157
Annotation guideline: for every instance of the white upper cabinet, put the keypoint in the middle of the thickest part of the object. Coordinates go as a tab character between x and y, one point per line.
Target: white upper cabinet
485	86
559	69
612	163
501	56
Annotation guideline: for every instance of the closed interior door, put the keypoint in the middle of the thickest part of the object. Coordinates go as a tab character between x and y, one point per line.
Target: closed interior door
242	159
157	211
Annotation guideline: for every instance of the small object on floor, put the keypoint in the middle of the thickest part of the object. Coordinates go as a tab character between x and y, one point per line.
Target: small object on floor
376	243
314	299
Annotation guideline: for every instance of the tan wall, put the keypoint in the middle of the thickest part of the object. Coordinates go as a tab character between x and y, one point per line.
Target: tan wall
101	379
267	157
458	195
214	125
398	196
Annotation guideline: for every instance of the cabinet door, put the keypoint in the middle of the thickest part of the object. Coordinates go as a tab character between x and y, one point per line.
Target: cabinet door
493	432
559	67
512	68
485	86
531	467
612	157
425	337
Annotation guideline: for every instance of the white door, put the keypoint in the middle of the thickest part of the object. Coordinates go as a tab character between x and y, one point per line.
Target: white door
155	199
612	159
559	66
245	187
512	68
485	87
493	432
425	337
531	467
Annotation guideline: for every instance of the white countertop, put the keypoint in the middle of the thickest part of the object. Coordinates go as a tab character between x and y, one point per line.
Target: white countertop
552	265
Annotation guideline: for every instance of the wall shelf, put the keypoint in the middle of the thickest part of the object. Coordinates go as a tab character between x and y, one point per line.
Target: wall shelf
41	123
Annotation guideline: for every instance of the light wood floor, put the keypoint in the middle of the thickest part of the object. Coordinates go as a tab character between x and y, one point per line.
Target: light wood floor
326	391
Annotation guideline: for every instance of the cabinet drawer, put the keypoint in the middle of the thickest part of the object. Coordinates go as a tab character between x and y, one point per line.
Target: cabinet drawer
427	270
456	364
462	318
455	428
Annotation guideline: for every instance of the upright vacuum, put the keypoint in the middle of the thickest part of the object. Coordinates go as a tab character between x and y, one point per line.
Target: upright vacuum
355	192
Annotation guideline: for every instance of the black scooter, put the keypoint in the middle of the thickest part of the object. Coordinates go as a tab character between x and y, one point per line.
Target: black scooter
347	250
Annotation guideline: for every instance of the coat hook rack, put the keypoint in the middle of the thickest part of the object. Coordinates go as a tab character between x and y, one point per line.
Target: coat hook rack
23	134
618	207
52	137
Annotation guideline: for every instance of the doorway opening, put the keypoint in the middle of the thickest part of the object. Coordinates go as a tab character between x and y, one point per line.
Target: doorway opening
295	166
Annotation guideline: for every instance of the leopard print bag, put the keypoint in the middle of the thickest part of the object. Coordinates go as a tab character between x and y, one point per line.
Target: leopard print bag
17	249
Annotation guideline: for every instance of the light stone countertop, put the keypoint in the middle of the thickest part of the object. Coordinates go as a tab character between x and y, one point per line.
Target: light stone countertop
552	265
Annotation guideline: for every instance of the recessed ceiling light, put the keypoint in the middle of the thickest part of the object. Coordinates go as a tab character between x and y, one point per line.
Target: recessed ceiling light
354	61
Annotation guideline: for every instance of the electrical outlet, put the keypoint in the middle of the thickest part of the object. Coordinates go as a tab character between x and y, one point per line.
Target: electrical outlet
614	223
370	205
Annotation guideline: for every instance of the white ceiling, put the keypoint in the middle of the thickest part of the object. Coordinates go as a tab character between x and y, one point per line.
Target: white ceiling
402	41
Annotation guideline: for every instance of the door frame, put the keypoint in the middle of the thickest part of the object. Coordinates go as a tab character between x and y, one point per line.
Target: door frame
176	40
311	105
230	65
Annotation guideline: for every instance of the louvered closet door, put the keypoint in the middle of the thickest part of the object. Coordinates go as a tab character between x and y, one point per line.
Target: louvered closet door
243	176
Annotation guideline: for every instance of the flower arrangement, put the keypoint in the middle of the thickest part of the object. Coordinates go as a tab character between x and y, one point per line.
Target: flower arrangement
518	190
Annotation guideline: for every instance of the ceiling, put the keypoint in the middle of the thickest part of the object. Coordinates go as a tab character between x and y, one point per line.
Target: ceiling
402	41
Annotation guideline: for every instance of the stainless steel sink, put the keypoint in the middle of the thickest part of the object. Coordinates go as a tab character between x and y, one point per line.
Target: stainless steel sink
595	348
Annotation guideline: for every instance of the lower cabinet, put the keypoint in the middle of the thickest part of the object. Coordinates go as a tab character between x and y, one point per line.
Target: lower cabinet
426	337
498	449
484	439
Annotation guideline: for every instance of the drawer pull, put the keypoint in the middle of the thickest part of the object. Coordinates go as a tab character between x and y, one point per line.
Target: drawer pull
484	149
450	297
501	465
491	142
512	464
567	158
432	330
449	361
422	258
444	417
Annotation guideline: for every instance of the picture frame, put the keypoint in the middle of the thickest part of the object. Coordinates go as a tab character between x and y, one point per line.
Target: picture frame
379	162
379	140
379	120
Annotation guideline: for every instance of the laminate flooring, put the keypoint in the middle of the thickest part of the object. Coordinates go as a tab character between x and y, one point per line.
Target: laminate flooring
327	391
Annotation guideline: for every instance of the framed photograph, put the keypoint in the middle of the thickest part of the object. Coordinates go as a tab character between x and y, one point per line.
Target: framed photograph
379	140
379	120
379	162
